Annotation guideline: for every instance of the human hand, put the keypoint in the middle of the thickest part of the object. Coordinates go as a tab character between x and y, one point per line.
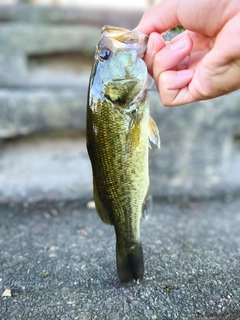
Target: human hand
201	63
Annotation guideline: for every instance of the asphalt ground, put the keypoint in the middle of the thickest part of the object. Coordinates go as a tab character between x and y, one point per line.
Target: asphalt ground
58	262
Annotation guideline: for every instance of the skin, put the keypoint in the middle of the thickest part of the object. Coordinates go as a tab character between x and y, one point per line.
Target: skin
201	63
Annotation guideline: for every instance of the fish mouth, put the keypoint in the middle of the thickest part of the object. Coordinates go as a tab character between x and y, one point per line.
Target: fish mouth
123	35
125	39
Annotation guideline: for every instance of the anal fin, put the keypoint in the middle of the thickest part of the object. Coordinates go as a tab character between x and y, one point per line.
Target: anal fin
147	205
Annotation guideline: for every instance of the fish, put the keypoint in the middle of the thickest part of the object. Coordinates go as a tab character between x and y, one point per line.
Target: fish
119	131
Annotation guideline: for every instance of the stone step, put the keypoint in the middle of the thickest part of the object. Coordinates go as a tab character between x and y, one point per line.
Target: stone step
199	155
45	62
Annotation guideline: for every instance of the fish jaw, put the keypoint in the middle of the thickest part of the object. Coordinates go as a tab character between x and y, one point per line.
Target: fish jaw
125	39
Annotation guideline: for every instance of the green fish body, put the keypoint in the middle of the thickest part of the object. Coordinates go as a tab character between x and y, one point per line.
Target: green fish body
118	133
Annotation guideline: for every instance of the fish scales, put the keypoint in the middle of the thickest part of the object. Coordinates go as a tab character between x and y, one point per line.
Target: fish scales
119	184
117	143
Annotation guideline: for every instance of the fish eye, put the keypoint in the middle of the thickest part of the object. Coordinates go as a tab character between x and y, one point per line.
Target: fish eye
105	54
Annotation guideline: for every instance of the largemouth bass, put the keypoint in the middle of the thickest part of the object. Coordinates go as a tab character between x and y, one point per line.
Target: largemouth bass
118	132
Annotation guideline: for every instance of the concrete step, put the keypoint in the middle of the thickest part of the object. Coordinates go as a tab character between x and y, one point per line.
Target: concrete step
45	64
54	166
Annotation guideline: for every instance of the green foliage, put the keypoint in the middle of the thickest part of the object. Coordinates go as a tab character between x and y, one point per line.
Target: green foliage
178	29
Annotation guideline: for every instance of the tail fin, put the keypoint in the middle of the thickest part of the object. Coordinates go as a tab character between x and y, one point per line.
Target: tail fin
130	265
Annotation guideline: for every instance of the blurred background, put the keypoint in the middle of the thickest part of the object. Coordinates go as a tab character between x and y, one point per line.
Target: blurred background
45	61
135	4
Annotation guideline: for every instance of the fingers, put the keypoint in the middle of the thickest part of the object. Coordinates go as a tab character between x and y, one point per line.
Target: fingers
171	56
173	87
197	16
169	69
160	17
155	44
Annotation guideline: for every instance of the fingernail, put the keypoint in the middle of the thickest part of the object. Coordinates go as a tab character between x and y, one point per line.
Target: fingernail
180	44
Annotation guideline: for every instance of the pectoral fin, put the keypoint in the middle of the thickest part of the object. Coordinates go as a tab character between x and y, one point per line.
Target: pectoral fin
101	209
133	135
153	133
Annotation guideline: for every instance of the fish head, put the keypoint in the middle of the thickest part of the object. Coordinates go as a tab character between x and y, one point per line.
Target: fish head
119	70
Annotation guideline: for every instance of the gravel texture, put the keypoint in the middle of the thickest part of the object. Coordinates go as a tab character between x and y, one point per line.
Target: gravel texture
58	260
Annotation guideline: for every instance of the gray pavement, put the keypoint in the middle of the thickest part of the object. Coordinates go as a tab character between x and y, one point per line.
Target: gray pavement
58	261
